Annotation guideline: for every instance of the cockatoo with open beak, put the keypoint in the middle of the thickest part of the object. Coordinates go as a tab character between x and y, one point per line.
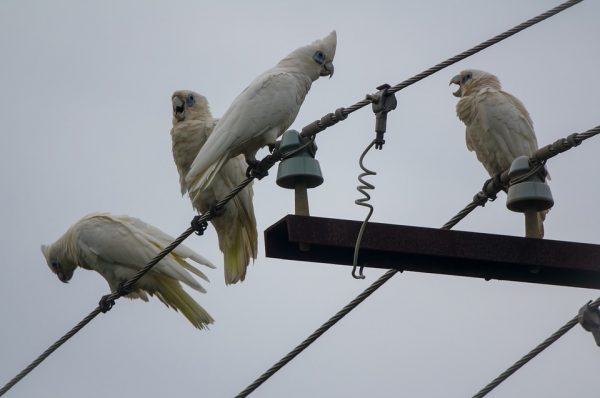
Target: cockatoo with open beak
263	111
117	247
236	226
499	128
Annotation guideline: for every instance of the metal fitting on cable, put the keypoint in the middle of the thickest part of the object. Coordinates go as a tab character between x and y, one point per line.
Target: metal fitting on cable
326	121
383	102
106	303
589	319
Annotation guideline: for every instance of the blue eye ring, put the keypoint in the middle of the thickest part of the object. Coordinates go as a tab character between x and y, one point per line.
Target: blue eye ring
190	100
319	57
467	77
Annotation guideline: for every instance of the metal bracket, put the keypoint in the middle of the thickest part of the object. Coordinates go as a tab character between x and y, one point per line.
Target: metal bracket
589	319
383	102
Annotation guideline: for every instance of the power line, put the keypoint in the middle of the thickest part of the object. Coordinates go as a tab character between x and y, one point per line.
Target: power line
341	113
532	354
106	303
199	223
479	200
489	191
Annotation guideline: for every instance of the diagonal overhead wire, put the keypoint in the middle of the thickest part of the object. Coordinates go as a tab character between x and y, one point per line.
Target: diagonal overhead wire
308	131
342	113
199	224
479	200
489	191
532	354
108	301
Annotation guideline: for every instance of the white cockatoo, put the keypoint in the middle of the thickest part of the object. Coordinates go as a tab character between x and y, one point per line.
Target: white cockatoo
117	247
236	226
263	111
499	128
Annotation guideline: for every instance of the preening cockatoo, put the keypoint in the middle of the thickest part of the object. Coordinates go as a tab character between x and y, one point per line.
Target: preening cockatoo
499	128
119	246
263	111
236	226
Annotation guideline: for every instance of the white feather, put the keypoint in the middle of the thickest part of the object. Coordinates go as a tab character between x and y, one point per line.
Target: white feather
262	112
117	247
236	226
498	127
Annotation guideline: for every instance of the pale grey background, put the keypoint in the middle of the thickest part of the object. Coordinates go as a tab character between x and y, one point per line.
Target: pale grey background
85	118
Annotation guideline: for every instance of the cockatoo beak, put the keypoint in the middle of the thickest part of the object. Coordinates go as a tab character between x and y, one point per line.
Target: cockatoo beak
62	277
456	80
327	69
178	107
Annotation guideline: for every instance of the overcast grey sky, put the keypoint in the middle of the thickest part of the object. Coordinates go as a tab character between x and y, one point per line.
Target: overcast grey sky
85	115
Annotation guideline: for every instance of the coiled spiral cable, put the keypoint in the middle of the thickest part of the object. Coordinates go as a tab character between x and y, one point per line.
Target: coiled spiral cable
363	202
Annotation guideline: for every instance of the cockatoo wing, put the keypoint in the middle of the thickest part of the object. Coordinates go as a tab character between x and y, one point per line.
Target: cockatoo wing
501	130
243	201
107	239
152	233
242	236
256	117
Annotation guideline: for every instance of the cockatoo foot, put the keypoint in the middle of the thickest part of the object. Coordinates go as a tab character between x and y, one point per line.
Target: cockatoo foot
199	226
256	170
105	304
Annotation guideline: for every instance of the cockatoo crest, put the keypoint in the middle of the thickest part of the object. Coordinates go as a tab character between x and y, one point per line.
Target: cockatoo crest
316	59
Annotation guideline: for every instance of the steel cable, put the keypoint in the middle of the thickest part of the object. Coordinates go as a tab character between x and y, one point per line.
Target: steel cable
342	113
108	301
489	191
532	354
333	118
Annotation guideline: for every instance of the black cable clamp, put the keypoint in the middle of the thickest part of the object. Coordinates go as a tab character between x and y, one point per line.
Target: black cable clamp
199	225
383	102
261	169
106	303
589	319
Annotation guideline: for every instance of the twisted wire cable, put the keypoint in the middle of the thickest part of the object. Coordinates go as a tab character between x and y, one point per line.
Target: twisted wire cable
489	191
108	301
309	131
532	354
342	113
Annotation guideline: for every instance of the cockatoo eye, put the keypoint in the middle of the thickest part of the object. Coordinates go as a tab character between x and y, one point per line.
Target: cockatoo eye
190	101
319	57
54	265
467	77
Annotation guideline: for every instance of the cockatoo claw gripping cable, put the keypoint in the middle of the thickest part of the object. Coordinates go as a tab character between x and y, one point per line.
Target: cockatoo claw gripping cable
308	131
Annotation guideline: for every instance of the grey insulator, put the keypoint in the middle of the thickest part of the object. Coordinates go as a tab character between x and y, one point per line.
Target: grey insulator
532	194
302	169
